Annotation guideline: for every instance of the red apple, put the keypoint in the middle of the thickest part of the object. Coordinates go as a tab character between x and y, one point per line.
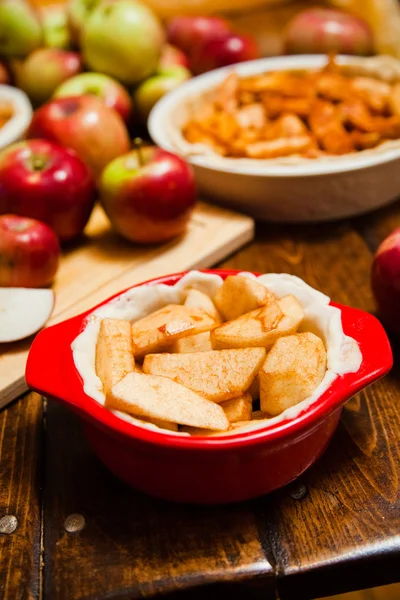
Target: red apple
322	30
85	124
223	51
29	252
108	89
173	57
4	76
148	195
385	280
187	32
42	180
44	70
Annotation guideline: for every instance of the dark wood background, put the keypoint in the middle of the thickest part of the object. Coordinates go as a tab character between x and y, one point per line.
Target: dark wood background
335	530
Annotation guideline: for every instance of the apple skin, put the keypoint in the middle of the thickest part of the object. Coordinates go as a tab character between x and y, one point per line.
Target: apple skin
322	30
56	32
77	13
385	280
155	87
172	57
149	203
29	252
223	51
44	181
122	39
84	123
20	30
187	32
44	70
108	89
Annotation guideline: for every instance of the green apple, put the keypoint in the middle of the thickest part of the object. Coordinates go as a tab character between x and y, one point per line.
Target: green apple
123	39
44	70
20	29
108	89
55	27
155	87
77	13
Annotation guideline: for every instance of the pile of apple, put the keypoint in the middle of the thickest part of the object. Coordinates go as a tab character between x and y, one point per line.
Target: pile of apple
93	69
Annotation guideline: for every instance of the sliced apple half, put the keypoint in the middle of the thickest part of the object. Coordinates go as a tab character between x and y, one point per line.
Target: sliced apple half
23	311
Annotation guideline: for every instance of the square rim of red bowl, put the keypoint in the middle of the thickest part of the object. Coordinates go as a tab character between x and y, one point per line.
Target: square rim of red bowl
340	391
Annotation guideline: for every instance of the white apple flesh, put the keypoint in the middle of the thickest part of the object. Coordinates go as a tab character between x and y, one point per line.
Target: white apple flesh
23	312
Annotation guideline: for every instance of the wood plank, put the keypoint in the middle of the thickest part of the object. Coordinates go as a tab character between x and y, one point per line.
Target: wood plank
103	265
20	453
134	546
387	592
350	518
377	225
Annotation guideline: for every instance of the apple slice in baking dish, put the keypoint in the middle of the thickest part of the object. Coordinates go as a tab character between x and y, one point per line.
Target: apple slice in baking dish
23	311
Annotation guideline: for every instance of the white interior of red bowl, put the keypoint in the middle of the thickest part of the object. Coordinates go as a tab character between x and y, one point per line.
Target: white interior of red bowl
168	116
343	353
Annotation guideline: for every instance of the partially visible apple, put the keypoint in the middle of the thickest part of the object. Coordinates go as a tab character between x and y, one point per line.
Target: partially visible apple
322	30
220	52
44	70
148	195
42	180
385	280
108	89
123	39
29	252
77	13
172	57
56	32
23	311
20	30
84	123
155	87
187	32
4	76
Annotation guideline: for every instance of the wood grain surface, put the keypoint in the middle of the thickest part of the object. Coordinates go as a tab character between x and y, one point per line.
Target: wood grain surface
335	530
21	427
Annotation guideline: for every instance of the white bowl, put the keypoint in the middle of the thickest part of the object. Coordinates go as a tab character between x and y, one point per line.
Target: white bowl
16	127
289	190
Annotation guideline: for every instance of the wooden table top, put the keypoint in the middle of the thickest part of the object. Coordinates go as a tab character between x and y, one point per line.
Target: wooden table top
335	530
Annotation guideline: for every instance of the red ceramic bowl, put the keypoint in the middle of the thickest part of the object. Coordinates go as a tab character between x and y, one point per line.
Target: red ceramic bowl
205	470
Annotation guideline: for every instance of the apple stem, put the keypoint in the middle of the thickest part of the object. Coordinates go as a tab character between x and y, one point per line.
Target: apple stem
37	163
138	143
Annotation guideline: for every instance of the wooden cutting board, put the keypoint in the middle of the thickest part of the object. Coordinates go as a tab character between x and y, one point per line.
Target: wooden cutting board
103	265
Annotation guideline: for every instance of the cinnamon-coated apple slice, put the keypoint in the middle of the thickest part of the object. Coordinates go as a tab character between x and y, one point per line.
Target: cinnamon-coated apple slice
23	311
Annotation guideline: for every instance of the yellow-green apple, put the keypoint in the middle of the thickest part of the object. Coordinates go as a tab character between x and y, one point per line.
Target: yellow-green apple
220	52
187	32
321	30
77	13
56	32
123	39
44	70
20	29
42	180
148	195
84	123
29	252
172	57
108	89
155	87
